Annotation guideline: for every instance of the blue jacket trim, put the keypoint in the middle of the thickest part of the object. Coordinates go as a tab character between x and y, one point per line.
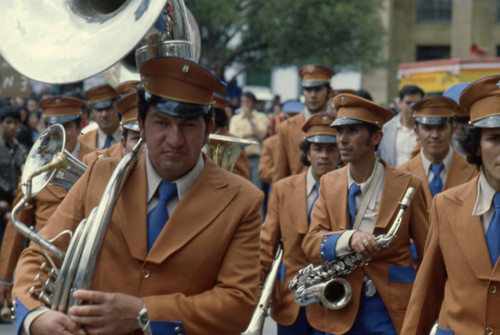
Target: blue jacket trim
443	331
282	271
413	252
167	328
328	244
402	274
20	312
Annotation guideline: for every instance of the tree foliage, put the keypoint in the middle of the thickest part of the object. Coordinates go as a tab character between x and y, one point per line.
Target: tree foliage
267	33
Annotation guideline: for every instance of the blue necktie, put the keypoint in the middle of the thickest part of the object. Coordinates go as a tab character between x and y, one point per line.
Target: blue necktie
436	184
159	215
312	205
351	202
107	144
493	232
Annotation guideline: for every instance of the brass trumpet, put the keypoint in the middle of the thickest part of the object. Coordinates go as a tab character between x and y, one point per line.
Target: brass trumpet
225	150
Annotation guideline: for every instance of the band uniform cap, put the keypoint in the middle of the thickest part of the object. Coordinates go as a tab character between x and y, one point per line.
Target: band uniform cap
317	128
220	101
481	99
434	110
352	109
313	75
60	109
127	107
337	92
102	96
179	87
127	86
293	107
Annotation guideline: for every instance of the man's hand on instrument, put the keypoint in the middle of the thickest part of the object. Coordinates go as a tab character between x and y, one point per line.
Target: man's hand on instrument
53	322
106	313
363	243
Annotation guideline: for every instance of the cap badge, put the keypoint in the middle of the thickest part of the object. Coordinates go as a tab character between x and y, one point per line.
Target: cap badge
185	68
342	99
311	68
498	84
58	101
325	118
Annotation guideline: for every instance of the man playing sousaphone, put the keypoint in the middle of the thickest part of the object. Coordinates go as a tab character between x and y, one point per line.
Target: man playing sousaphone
356	204
181	251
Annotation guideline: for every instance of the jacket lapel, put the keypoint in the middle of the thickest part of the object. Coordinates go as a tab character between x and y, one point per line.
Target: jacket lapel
56	191
469	232
205	200
297	197
131	207
417	168
395	185
337	193
459	171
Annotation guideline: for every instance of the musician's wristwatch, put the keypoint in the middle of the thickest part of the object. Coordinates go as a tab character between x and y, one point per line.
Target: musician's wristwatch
143	320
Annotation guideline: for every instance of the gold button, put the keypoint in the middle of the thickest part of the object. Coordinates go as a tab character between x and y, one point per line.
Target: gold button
177	329
145	273
325	239
493	289
489	331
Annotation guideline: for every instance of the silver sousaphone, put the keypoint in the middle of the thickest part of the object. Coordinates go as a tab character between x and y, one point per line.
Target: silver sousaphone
64	41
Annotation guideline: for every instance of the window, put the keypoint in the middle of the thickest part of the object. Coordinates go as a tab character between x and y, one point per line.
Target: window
434	11
427	52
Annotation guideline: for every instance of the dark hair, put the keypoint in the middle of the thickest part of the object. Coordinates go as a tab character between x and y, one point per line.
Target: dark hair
364	94
469	139
220	118
304	146
10	111
143	107
250	96
410	90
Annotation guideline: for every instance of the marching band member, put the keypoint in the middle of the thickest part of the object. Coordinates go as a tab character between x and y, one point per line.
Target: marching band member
290	204
459	274
67	112
316	89
100	100
181	251
437	162
127	108
356	204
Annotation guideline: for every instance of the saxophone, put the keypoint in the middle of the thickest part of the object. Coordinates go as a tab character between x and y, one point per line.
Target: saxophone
322	284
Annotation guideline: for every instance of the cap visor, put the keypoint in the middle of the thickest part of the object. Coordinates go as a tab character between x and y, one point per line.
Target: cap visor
308	84
134	126
488	122
432	120
102	104
61	119
340	121
321	139
176	108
